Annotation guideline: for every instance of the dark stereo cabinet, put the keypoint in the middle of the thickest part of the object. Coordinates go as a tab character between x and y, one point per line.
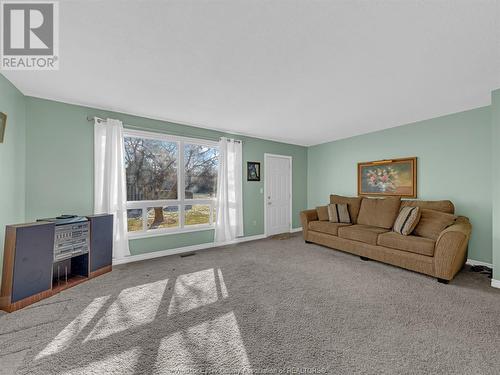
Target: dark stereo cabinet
29	270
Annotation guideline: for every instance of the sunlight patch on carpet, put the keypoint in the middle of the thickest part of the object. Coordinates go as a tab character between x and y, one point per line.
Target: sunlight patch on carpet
223	287
133	307
193	290
212	345
64	339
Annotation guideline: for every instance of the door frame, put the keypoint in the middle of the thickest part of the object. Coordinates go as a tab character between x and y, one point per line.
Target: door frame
266	155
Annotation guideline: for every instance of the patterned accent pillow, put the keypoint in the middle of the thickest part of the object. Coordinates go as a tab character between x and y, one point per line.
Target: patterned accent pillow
353	205
407	220
339	213
322	213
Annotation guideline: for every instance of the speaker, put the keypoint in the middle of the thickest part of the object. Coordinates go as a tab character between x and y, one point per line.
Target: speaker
27	265
101	244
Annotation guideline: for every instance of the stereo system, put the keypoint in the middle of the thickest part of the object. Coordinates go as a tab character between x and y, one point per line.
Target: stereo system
72	236
46	257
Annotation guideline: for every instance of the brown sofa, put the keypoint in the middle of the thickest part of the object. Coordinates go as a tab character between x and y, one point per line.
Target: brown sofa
440	255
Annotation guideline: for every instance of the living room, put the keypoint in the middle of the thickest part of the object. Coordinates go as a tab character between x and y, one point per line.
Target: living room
249	187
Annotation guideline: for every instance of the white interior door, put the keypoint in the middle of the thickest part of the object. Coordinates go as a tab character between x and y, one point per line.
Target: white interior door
278	175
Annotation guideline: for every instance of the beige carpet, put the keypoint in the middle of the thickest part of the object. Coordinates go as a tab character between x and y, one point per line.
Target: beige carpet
260	307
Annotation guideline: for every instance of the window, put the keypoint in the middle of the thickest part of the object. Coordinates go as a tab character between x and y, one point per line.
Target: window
171	183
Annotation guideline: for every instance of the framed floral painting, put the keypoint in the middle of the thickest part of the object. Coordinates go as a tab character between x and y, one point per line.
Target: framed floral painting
388	177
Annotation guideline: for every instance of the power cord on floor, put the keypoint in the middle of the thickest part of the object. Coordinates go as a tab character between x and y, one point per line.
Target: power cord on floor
483	270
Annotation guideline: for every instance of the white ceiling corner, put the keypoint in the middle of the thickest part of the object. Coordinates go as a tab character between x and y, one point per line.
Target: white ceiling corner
303	72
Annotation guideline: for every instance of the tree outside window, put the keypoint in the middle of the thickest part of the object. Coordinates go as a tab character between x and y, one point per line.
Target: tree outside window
152	176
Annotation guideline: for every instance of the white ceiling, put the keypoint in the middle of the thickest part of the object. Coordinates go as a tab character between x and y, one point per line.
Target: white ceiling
303	72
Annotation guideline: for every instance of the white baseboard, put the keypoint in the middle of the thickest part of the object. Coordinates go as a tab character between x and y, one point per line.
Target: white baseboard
473	262
185	249
495	283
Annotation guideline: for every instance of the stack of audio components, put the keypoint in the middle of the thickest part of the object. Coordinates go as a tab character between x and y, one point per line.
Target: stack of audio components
72	236
44	258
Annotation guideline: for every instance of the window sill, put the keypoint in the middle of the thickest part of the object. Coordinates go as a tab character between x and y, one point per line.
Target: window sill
168	232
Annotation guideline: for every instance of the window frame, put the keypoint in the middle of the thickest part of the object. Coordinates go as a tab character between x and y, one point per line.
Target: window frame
181	200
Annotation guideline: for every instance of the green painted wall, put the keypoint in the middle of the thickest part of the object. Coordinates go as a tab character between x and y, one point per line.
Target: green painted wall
495	127
47	166
59	159
454	162
12	159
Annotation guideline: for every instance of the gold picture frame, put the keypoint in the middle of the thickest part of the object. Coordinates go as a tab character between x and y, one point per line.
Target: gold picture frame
3	125
396	177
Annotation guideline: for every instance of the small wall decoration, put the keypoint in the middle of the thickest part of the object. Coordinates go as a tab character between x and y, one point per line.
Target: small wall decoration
388	177
3	124
253	171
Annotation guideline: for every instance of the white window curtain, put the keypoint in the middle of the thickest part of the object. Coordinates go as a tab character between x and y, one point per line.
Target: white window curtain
110	192
229	223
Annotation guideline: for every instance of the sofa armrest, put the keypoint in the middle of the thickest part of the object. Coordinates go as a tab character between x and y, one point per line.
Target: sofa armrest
305	217
450	253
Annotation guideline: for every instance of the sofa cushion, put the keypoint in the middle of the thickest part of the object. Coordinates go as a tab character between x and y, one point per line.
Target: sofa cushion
443	206
379	212
363	233
353	204
432	223
407	220
326	227
322	213
412	244
339	213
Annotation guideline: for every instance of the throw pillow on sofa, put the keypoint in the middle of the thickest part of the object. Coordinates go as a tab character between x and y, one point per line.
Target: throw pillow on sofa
407	220
432	223
353	205
379	212
339	213
322	212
